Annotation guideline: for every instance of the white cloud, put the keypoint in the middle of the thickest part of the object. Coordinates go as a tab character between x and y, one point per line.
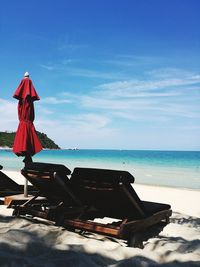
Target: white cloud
91	73
127	61
63	68
134	100
106	103
167	73
148	85
82	131
54	101
9	115
56	66
85	121
89	121
48	67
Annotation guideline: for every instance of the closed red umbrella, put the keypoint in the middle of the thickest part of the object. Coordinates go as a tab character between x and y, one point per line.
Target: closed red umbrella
26	142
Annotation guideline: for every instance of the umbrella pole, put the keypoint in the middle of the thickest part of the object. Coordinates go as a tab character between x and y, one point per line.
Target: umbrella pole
25	188
27	159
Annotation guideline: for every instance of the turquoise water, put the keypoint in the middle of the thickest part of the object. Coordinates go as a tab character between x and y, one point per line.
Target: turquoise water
167	168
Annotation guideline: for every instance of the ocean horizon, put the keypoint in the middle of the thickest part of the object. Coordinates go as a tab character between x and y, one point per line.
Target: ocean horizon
152	167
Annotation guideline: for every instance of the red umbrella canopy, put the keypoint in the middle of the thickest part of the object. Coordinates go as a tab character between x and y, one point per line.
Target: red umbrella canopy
26	89
26	142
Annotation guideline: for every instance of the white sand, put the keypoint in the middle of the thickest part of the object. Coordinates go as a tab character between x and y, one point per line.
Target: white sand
31	242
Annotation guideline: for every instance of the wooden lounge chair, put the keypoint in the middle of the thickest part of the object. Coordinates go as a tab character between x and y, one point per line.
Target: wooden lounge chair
90	194
52	182
9	187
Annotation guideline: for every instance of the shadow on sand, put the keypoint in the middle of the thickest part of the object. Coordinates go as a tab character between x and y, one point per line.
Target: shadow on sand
21	245
190	221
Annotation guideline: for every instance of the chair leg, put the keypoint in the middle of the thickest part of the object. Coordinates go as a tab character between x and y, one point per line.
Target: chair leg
136	240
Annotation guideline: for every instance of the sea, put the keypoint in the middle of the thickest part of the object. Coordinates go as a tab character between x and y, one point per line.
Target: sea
179	169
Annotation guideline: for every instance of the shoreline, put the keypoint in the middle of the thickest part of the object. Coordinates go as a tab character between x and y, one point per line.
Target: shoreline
16	176
149	168
113	149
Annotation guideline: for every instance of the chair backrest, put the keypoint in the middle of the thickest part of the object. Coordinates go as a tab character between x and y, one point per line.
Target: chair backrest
44	176
109	191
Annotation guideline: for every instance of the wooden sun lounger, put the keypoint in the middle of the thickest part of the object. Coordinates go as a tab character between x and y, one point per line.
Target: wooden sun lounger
90	194
9	187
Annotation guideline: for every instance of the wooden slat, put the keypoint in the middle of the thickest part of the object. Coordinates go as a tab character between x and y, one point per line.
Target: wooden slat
35	213
97	188
20	199
122	230
37	176
93	227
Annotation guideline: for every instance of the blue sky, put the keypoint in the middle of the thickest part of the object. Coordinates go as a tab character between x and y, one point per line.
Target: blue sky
111	73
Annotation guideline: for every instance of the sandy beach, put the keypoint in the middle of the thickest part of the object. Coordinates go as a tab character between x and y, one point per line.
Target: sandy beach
32	242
